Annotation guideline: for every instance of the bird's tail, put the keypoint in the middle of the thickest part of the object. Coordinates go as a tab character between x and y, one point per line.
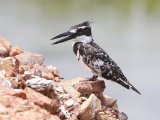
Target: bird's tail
124	82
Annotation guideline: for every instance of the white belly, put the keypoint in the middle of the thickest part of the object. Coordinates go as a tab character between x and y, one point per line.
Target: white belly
94	71
80	59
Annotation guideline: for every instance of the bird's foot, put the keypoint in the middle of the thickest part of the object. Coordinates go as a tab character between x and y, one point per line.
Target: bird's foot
93	78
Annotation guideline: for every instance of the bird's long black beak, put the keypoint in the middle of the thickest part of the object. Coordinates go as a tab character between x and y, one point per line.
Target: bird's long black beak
66	36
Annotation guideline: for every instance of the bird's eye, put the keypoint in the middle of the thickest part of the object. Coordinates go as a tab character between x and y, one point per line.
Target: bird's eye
79	30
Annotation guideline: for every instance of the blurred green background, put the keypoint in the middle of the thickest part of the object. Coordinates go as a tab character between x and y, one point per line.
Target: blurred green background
129	30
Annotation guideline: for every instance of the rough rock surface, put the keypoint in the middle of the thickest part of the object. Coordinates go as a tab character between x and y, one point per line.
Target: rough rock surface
28	58
5	47
31	90
90	107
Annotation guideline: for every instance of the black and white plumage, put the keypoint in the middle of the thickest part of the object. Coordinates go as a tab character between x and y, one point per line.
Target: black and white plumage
92	56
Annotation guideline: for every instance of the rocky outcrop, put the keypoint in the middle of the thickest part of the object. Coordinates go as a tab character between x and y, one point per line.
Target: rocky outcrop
29	89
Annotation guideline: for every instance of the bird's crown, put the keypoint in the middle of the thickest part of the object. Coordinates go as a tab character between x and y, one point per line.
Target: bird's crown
81	25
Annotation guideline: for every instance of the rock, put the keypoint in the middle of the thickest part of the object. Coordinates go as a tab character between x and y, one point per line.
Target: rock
15	51
68	87
108	101
43	85
16	108
27	75
69	103
108	114
80	100
42	101
3	81
3	109
44	72
122	116
39	91
71	91
28	58
89	87
9	64
89	108
14	92
5	47
57	79
53	70
80	86
64	112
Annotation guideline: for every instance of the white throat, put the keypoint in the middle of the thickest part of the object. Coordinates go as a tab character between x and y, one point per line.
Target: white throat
83	38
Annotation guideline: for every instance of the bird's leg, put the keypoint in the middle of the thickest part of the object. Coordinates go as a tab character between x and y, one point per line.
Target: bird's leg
93	78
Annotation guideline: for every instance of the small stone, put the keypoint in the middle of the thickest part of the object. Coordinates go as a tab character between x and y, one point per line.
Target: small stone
42	71
107	116
64	96
39	84
8	64
122	116
56	79
53	70
71	91
79	100
108	101
89	108
28	58
3	81
27	75
47	87
69	103
5	47
16	51
65	112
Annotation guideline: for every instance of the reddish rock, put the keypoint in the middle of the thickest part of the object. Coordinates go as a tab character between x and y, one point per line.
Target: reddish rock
108	101
76	99
15	51
15	92
80	86
89	87
89	108
42	71
28	58
5	47
41	100
15	108
57	79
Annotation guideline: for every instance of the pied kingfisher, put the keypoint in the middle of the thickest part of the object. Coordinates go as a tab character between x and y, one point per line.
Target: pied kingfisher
92	56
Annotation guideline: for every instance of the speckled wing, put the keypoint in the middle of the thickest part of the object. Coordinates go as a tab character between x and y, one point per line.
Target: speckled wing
101	64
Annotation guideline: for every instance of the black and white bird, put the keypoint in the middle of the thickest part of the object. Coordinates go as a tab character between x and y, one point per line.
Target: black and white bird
93	57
